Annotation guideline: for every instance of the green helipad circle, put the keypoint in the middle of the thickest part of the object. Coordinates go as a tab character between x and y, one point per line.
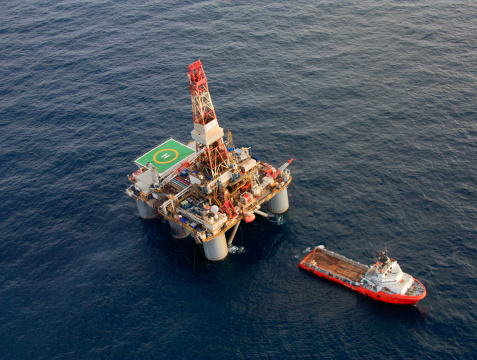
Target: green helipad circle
166	162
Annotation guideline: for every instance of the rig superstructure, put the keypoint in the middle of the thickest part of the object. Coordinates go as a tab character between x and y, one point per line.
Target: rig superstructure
206	187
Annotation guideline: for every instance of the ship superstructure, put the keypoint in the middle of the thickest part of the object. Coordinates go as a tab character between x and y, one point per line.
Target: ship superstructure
206	187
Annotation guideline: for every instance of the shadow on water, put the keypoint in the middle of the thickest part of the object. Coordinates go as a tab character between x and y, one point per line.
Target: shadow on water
181	263
253	242
412	314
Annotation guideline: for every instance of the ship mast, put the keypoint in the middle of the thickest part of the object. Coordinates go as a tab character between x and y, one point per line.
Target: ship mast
207	132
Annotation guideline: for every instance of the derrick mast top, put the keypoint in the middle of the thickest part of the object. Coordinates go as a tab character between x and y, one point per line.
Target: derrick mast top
202	108
207	131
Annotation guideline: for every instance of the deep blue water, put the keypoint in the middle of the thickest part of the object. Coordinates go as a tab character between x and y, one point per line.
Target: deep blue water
376	102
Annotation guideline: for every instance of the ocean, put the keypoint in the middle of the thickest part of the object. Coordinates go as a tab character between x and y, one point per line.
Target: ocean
375	100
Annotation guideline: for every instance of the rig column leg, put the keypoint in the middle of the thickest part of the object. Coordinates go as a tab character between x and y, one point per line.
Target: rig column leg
178	231
145	211
234	230
216	248
279	203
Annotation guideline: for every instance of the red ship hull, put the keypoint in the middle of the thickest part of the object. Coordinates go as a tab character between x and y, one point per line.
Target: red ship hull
379	296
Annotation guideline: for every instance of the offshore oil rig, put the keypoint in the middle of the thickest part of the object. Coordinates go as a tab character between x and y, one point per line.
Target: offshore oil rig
206	187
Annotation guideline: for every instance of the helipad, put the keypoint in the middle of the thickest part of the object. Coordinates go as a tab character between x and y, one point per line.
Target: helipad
165	155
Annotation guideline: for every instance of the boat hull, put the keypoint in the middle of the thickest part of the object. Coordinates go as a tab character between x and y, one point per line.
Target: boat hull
379	296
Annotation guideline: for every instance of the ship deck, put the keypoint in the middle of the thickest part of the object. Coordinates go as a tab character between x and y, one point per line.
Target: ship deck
336	266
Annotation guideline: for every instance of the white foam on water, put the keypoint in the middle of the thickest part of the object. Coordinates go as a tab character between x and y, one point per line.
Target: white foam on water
278	219
236	249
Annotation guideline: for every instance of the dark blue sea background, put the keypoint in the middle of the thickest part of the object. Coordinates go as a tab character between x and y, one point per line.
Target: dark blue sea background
376	102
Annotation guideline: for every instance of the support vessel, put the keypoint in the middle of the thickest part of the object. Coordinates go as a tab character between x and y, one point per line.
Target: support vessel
382	281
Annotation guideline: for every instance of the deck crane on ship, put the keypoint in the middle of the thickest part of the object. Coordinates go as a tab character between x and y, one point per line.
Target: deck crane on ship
206	188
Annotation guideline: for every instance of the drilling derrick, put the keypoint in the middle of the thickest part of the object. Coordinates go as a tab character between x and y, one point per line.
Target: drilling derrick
207	132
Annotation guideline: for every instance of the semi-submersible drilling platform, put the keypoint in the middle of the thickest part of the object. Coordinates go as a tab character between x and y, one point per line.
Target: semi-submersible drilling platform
208	186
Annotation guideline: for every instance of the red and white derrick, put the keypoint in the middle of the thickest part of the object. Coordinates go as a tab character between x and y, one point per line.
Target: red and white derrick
207	131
